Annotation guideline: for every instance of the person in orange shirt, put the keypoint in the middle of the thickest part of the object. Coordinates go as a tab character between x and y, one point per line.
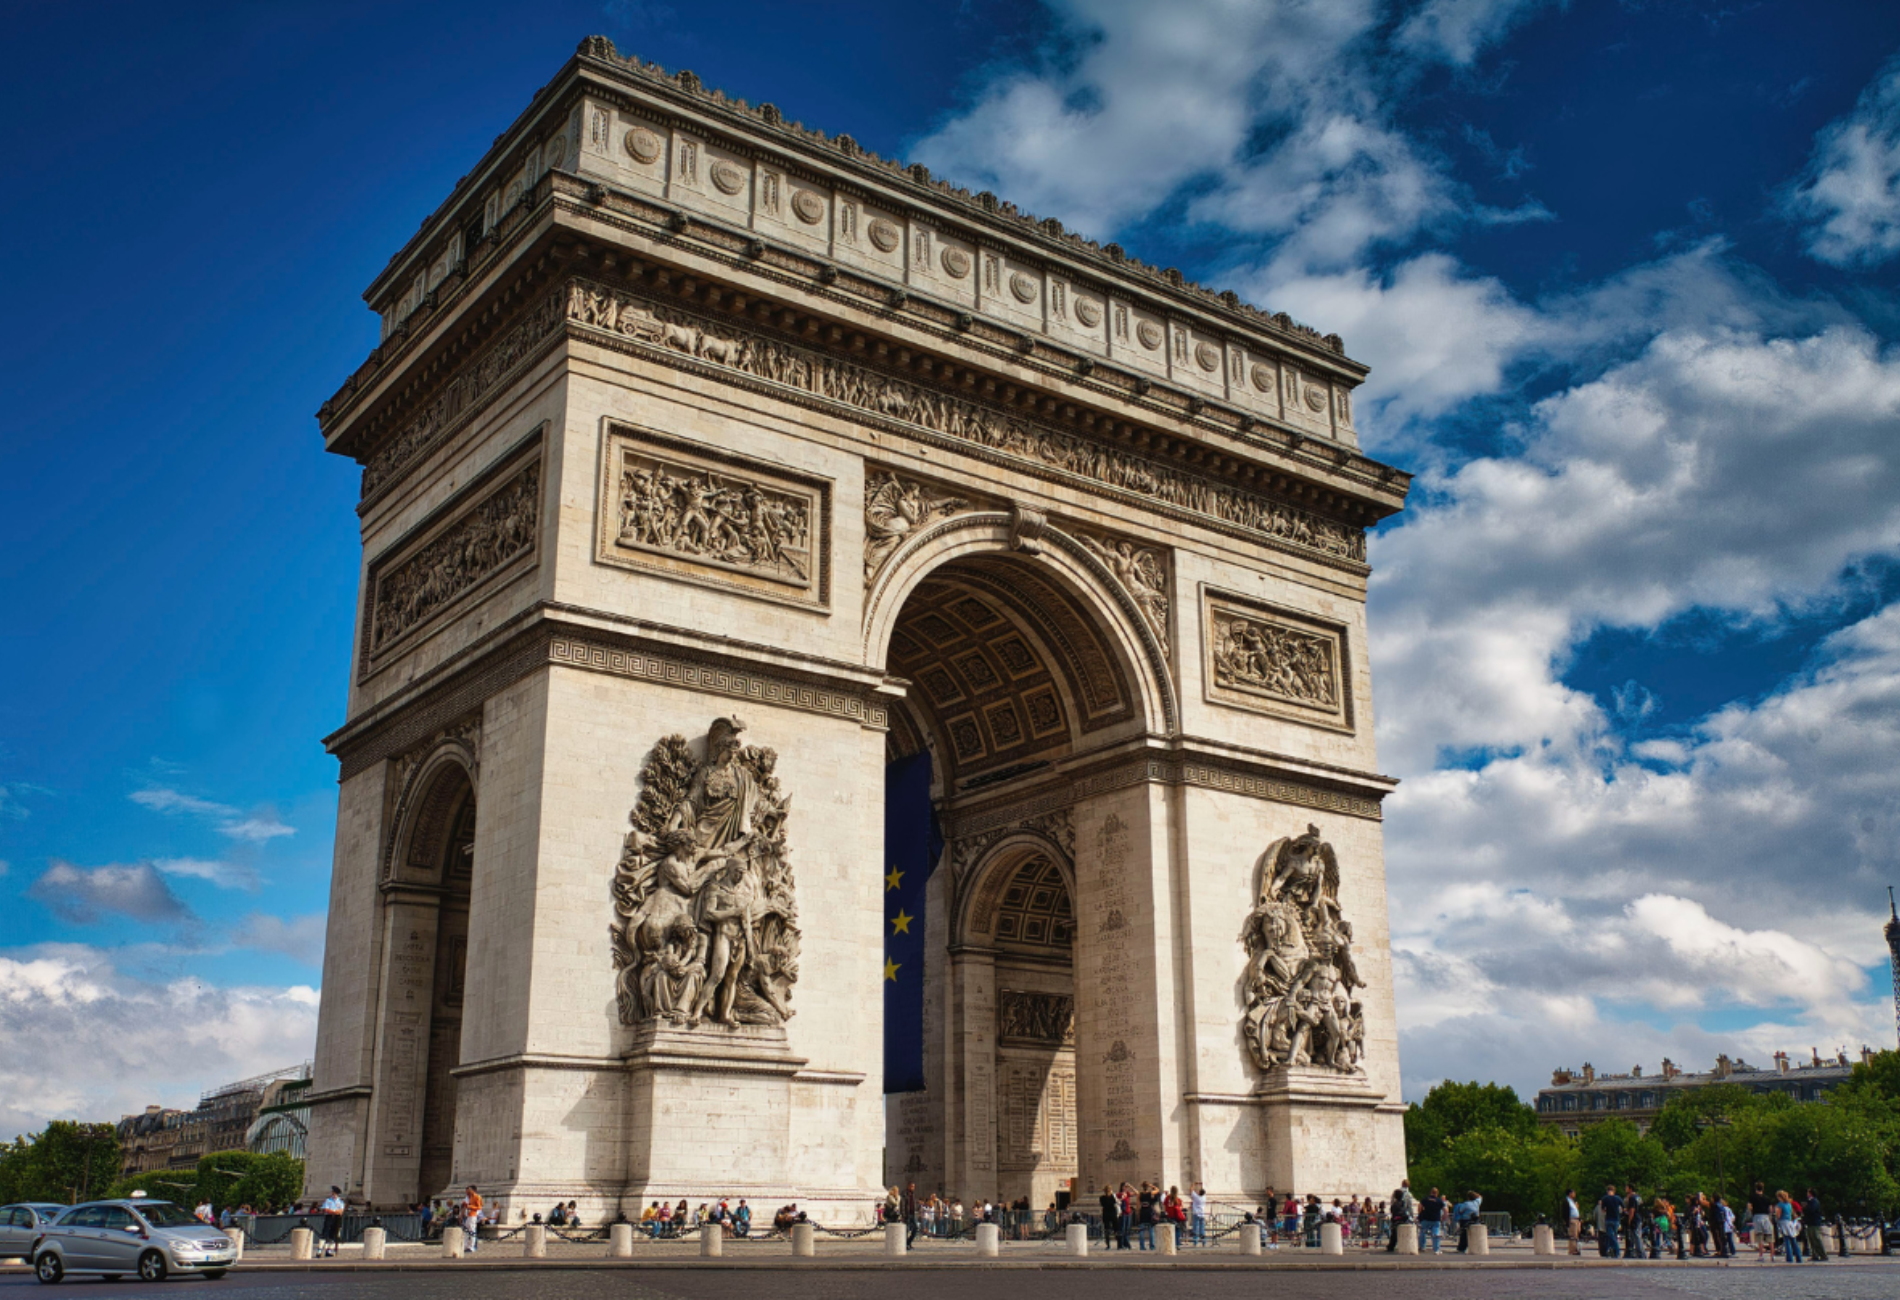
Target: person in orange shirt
471	1220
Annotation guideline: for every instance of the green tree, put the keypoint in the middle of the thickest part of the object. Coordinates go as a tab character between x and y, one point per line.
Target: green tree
1614	1151
66	1161
1451	1110
1878	1077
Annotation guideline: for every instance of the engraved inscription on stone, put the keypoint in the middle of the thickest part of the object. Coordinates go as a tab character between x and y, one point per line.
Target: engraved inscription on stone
1300	967
711	517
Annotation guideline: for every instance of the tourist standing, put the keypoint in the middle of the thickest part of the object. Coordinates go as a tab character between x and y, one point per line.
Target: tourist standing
1788	1226
1465	1214
1401	1213
1811	1223
1573	1220
908	1208
1761	1220
471	1219
1197	1207
1431	1219
1145	1212
1609	1221
332	1211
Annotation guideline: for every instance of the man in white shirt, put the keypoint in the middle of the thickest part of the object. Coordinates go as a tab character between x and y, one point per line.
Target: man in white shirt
1573	1220
1197	1212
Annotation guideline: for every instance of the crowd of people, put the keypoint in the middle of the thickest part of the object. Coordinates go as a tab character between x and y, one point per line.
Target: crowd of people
1626	1226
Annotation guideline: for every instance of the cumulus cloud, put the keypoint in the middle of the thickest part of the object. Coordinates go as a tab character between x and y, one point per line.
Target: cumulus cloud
1848	200
299	937
1457	30
258	827
223	874
84	895
85	1041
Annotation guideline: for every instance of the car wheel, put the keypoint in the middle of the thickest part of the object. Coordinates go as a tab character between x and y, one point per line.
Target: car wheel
48	1268
151	1267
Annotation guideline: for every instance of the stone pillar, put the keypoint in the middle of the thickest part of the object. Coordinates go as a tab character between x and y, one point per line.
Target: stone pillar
534	1242
375	1243
1330	1240
451	1242
300	1243
1164	1238
970	1076
237	1241
1249	1238
1078	1238
1543	1240
712	1241
620	1241
1408	1239
804	1240
895	1246
410	921
989	1240
1479	1240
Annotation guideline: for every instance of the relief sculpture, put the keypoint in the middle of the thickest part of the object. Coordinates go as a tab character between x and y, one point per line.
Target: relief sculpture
894	509
1300	968
1143	573
1047	1018
1260	657
705	920
713	518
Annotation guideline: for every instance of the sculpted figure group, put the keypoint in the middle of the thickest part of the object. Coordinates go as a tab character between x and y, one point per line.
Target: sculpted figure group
1300	968
493	533
726	520
705	919
1261	656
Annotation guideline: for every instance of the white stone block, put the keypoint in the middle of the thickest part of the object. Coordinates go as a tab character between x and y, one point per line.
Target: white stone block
375	1242
620	1241
534	1242
1164	1239
804	1240
1330	1240
451	1242
1249	1238
712	1241
895	1244
1543	1240
1078	1235
1478	1242
989	1240
300	1243
1408	1239
237	1241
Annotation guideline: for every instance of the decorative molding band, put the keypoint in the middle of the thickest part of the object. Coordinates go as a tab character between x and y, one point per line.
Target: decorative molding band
690	341
537	1061
1279	791
574	652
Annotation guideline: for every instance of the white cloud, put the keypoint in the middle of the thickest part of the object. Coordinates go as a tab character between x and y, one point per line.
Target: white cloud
83	894
256	828
225	875
1457	30
1849	197
300	937
171	801
84	1041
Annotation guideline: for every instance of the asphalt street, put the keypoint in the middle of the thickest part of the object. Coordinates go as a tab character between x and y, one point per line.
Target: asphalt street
1859	1280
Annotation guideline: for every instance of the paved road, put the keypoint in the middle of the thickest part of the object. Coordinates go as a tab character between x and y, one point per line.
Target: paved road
1856	1280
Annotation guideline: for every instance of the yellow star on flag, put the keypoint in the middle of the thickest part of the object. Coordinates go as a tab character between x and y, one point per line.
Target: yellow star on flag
890	970
900	924
893	880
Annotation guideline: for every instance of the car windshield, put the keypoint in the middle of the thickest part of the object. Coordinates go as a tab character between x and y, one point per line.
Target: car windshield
163	1214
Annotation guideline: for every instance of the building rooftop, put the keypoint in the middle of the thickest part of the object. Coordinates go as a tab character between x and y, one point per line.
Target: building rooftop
1816	1068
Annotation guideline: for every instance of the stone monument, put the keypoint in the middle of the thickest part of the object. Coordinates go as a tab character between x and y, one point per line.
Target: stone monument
709	464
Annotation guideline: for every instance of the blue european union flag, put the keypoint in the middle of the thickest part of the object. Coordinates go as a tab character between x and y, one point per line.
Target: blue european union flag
912	844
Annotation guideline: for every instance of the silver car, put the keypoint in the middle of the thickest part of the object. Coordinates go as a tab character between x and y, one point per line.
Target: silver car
21	1224
150	1238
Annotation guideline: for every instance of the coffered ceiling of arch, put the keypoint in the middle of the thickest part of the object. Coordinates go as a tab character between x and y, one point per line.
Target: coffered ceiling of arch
1003	668
1027	907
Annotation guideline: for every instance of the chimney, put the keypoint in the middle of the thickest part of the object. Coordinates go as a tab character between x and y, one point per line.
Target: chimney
1815	1053
1866	1054
1589	1072
1781	1062
1636	1071
1723	1066
1559	1077
1669	1070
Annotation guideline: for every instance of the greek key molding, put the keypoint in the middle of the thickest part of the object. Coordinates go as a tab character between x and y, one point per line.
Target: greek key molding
1280	791
645	665
810	378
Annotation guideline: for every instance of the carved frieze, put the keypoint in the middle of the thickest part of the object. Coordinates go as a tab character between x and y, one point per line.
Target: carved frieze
1277	661
1300	1010
895	507
705	924
1143	574
812	374
417	582
1042	1019
694	512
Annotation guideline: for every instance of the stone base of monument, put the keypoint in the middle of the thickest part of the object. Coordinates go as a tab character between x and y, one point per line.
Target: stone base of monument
1077	1235
1543	1240
620	1241
989	1240
1478	1241
451	1242
1248	1237
1407	1239
895	1244
375	1243
1331	1241
804	1240
1327	1128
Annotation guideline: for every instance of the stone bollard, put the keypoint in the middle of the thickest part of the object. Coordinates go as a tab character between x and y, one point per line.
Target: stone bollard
1543	1240
712	1241
1408	1239
989	1240
1078	1235
1164	1239
375	1243
237	1241
451	1242
804	1240
1330	1240
534	1242
1248	1235
895	1244
620	1241
301	1240
1479	1241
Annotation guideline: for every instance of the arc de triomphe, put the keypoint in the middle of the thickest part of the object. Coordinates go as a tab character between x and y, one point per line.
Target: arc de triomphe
709	465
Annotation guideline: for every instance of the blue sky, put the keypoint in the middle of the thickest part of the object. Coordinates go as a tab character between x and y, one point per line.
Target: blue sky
1624	272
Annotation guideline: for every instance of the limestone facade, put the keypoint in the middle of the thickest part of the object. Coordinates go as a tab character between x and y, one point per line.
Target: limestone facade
684	415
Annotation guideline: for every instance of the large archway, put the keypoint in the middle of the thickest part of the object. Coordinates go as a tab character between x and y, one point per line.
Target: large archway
1014	667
